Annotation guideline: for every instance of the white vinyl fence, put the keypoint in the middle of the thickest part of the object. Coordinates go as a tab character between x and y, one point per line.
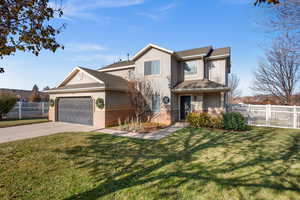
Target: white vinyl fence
269	115
26	110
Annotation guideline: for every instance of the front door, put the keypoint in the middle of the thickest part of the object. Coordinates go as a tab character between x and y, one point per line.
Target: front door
185	106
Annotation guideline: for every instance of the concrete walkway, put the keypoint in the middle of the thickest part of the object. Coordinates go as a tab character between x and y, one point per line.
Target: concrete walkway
156	135
35	130
49	128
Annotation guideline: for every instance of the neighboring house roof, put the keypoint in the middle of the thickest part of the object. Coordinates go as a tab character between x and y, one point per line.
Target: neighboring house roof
181	55
203	51
199	85
25	94
103	81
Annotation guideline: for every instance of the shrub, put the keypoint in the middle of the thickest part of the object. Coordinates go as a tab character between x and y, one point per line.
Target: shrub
7	102
234	121
217	122
199	120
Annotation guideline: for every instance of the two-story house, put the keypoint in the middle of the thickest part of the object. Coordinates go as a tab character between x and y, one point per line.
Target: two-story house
185	81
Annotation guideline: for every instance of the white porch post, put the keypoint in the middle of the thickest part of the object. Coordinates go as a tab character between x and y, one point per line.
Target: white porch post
200	102
222	100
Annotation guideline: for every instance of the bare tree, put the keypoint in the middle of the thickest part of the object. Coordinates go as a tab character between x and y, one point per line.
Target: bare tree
140	92
278	73
257	2
233	84
285	17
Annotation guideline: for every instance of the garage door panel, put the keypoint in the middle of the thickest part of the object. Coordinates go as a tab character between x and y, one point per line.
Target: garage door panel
76	110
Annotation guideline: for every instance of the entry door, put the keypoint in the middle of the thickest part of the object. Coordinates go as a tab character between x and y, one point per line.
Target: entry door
76	110
185	106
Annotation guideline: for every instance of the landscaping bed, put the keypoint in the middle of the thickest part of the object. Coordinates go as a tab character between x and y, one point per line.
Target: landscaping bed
263	163
141	127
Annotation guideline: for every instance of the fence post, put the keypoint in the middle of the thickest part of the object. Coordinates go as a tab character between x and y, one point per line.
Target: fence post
249	114
268	114
295	116
20	109
43	107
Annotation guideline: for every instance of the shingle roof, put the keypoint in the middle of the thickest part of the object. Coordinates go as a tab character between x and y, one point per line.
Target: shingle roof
198	85
206	51
220	51
107	81
192	52
118	64
78	86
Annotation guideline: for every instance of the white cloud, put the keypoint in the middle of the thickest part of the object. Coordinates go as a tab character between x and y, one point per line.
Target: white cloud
84	47
159	12
167	7
85	8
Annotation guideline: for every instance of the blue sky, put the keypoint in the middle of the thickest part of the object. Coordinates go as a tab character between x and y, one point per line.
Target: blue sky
102	31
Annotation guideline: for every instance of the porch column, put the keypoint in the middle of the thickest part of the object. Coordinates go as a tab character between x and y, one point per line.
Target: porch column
222	100
200	102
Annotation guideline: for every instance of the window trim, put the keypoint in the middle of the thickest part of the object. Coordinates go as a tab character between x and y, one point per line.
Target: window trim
152	60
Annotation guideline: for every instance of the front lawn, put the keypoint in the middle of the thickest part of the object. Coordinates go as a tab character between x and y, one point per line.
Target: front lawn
190	164
8	123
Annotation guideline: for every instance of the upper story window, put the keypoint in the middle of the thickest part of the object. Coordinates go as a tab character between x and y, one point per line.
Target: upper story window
190	67
152	67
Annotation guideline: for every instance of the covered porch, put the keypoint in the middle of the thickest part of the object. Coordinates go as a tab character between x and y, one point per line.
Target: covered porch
199	96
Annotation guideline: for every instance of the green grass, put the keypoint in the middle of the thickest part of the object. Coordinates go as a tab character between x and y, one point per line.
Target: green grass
262	164
8	123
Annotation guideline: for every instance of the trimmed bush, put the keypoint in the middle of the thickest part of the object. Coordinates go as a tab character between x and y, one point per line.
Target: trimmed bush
217	122
234	121
202	120
7	102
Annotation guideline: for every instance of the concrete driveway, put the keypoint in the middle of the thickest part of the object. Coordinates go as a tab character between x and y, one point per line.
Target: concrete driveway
35	130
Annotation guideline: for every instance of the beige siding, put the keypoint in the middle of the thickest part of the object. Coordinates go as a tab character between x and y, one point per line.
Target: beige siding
122	73
117	108
117	100
211	101
81	78
160	82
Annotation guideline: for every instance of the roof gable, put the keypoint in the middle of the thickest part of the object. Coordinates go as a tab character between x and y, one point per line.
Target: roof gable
102	80
148	47
74	72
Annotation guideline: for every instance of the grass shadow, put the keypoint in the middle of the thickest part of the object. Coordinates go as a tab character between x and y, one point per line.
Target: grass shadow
191	162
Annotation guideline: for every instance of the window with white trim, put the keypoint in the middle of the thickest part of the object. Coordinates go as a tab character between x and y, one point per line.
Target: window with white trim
190	67
152	67
155	103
